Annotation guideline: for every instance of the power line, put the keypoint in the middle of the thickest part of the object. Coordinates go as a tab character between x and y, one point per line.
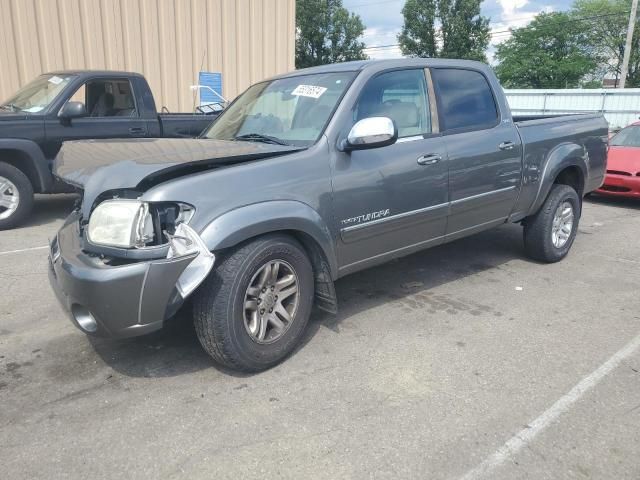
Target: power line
580	19
510	30
371	3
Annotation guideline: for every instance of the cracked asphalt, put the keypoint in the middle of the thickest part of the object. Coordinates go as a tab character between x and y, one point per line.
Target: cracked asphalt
434	362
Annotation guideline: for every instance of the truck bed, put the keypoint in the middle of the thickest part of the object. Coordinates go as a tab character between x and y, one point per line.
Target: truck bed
523	120
542	135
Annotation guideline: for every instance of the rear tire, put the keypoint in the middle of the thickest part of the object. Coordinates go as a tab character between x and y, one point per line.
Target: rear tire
16	196
549	234
236	301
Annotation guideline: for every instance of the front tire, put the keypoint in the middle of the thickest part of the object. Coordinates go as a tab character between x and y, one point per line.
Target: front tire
16	196
252	310
549	234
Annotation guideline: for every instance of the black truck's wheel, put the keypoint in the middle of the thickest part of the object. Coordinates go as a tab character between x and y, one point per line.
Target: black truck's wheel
252	310
549	234
16	196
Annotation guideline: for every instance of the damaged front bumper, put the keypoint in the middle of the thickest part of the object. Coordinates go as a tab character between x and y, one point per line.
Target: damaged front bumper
124	300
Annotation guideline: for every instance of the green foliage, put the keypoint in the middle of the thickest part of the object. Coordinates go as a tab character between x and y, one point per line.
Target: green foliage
605	27
444	28
550	52
326	32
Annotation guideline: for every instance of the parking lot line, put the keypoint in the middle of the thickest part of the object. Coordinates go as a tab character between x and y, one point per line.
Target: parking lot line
24	250
526	435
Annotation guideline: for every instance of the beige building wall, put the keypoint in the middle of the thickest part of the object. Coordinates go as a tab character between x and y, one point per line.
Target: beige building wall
169	41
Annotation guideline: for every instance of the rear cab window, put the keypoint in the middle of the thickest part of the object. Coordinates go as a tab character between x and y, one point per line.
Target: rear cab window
465	99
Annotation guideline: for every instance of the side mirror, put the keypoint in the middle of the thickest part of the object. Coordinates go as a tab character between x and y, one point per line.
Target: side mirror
72	110
372	132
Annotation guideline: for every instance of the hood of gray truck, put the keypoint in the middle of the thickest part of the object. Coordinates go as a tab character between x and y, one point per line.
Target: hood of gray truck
98	166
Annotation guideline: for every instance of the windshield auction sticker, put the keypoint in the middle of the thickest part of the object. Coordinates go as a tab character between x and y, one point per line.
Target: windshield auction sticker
55	80
311	91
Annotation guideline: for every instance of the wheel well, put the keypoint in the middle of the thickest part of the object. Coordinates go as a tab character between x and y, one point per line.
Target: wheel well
22	162
573	177
316	254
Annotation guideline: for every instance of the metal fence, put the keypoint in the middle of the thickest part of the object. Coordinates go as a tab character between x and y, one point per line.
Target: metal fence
620	107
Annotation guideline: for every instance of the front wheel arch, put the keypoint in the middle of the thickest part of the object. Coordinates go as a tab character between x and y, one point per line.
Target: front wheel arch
286	216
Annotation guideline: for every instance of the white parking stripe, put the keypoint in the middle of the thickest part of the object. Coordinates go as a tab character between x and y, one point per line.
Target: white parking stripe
526	435
23	250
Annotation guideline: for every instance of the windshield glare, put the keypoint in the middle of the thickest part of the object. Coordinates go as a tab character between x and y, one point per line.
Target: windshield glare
627	137
292	111
37	95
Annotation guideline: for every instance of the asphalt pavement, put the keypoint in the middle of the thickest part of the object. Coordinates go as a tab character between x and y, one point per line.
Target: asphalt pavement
463	361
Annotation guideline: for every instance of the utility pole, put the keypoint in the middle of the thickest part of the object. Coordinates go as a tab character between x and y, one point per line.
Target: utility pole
627	47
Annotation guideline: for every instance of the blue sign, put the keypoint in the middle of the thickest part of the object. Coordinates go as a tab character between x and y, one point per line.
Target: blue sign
211	88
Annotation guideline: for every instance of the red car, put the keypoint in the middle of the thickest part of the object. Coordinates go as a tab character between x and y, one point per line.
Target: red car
623	164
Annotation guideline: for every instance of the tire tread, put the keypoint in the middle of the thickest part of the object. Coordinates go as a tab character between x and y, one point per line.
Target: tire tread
537	229
211	306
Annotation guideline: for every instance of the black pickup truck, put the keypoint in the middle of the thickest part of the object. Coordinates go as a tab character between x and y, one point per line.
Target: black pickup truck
74	105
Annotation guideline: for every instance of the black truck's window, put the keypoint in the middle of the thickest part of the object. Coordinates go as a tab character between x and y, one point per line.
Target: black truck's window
465	99
400	95
107	98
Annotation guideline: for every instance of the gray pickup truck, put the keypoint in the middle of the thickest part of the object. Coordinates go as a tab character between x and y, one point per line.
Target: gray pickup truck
305	178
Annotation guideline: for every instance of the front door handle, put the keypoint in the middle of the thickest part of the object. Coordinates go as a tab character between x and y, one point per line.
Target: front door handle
136	131
506	146
430	159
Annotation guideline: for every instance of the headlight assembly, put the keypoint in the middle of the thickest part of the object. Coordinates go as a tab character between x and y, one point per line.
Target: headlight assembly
121	223
128	223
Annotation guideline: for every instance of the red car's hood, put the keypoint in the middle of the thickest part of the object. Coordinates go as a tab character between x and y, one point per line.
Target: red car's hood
624	159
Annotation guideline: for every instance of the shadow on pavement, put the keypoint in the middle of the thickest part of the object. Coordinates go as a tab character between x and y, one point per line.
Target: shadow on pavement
175	350
50	207
622	202
408	281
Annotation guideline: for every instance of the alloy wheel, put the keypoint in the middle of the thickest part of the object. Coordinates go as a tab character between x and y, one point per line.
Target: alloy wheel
9	198
562	225
271	301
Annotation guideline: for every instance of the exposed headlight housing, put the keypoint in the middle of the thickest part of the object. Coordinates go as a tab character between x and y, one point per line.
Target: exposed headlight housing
121	223
132	223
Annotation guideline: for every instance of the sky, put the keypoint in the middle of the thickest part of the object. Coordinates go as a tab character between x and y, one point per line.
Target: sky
383	20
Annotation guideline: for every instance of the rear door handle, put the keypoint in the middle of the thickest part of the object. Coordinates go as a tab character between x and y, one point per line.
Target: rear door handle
506	146
430	159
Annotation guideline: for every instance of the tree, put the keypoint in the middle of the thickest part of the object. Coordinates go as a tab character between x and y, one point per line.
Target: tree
605	23
462	33
549	52
326	32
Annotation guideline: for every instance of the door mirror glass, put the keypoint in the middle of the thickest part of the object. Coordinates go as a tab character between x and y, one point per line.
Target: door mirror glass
72	110
372	132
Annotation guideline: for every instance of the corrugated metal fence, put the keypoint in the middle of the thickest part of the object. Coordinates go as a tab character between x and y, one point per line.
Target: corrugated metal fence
620	107
168	41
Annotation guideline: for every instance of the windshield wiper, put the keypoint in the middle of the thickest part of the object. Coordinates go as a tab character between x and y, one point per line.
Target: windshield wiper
10	106
258	137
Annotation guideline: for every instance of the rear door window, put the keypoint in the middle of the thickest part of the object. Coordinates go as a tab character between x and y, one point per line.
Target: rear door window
465	99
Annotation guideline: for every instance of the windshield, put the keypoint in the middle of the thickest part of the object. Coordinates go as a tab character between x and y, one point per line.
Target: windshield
288	111
627	137
37	95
